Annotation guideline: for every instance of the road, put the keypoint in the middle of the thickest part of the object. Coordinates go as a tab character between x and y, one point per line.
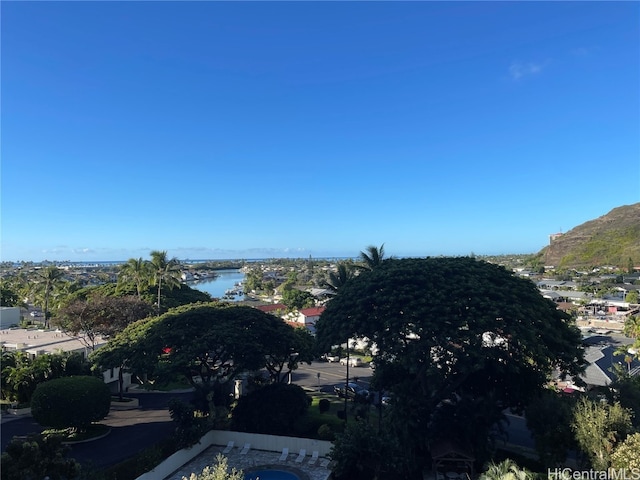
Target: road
135	430
334	373
324	375
131	430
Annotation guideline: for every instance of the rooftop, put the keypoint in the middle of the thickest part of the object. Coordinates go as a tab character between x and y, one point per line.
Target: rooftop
42	341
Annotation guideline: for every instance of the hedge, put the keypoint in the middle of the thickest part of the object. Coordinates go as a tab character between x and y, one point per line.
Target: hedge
71	402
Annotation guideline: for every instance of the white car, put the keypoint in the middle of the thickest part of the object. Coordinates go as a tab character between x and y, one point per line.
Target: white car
35	313
353	361
331	358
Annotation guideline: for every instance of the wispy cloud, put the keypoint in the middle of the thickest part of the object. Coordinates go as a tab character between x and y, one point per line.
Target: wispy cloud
518	70
585	51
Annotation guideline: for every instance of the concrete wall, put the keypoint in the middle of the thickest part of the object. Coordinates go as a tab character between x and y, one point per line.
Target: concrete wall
9	316
258	441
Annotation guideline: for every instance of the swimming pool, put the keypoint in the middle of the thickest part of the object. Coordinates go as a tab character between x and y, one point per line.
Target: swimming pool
270	475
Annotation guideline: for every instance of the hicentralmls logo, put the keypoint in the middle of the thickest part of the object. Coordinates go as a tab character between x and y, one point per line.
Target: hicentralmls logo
611	474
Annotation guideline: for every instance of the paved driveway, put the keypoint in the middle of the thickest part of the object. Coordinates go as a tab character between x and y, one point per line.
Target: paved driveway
131	430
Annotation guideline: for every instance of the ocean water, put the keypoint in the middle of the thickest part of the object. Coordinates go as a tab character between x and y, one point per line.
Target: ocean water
226	280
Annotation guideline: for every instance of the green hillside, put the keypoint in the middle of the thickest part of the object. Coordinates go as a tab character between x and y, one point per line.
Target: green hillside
612	239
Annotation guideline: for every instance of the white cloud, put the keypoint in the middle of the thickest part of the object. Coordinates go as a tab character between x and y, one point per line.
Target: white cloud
518	70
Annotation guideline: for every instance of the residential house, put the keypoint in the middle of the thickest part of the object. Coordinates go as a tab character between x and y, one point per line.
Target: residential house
277	309
602	358
308	318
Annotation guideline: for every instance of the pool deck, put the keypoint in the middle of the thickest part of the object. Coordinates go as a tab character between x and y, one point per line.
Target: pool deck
254	459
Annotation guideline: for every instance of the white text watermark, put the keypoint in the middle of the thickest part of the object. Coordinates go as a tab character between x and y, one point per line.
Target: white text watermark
610	474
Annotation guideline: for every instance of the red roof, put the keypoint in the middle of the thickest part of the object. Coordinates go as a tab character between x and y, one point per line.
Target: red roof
312	312
272	307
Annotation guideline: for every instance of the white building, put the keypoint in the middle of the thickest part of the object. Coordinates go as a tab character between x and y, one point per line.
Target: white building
42	342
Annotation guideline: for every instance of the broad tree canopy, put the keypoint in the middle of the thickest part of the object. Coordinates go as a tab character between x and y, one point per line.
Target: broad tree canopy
456	337
208	344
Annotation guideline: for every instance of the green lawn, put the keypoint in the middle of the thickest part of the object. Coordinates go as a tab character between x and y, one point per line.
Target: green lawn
315	419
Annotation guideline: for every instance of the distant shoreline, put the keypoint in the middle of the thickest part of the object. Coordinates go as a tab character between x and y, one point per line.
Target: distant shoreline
109	263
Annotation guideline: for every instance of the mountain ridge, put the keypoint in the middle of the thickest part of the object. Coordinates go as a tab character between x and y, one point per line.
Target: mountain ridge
612	239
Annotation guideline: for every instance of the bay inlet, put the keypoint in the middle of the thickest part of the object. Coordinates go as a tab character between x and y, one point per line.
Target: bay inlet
216	287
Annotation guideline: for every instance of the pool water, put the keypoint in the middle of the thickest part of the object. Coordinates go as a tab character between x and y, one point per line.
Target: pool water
270	475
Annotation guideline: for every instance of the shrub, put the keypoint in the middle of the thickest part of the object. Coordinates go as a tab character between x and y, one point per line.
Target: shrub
70	402
273	409
324	405
190	426
37	457
142	462
219	471
304	426
325	432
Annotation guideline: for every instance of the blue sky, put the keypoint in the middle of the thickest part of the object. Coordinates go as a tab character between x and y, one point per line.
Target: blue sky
272	129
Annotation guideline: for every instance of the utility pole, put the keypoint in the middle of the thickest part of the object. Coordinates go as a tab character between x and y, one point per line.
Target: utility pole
346	385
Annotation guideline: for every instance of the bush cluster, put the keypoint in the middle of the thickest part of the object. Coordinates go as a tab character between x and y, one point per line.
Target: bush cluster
71	402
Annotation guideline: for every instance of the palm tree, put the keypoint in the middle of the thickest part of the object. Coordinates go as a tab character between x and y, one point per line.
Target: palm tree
136	271
47	280
164	270
342	275
632	326
372	257
632	329
506	470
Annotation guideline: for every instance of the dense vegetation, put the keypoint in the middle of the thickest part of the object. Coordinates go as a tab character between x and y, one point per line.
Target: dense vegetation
71	402
273	409
458	340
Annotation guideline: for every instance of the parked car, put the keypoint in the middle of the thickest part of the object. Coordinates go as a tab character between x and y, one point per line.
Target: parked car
351	390
353	361
35	313
330	358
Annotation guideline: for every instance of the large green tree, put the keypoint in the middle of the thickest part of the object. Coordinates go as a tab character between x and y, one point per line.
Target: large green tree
100	315
273	409
363	453
206	344
455	336
599	428
138	272
287	347
296	299
165	271
47	281
549	418
9	294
